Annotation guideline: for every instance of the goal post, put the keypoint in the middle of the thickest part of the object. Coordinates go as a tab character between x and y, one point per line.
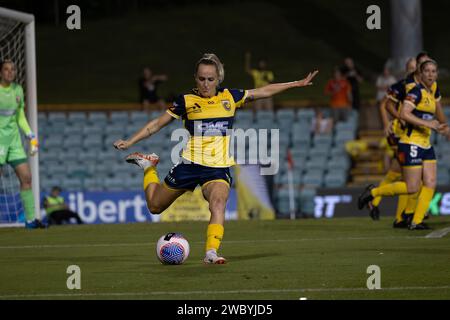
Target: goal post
11	22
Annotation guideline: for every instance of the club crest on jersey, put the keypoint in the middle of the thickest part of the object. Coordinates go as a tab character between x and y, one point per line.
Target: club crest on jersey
226	104
18	99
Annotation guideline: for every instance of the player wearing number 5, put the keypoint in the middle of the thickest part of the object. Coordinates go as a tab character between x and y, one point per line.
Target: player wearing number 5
12	117
415	152
208	113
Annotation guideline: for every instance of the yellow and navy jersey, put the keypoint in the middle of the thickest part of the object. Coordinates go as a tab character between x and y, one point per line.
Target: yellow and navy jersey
209	122
424	102
397	93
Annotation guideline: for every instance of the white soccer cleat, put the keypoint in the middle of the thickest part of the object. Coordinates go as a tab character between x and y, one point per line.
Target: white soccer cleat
212	258
143	160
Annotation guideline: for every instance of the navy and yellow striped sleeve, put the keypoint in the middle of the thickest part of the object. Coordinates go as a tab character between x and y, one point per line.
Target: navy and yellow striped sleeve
396	92
437	94
239	96
178	108
414	96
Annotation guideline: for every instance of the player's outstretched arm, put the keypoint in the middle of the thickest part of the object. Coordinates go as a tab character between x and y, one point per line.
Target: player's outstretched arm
148	130
275	88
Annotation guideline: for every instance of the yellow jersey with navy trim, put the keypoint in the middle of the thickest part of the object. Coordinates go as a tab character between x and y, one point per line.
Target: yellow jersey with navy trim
424	102
397	93
209	122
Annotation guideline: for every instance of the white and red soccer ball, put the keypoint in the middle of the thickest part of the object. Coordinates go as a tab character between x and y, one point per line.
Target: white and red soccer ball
172	248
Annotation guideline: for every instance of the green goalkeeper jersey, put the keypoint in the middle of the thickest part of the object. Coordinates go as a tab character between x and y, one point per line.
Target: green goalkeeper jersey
12	113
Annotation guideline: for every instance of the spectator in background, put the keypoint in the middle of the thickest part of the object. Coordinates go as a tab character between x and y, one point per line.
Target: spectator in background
340	91
373	117
57	210
261	77
322	123
384	81
353	75
148	85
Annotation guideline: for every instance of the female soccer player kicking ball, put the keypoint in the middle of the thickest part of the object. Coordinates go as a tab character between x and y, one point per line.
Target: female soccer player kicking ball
205	160
12	116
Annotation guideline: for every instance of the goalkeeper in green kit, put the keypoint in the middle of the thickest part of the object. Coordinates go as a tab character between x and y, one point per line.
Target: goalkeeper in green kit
12	116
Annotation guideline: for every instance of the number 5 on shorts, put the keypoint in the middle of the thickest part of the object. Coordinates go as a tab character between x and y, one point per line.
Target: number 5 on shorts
413	151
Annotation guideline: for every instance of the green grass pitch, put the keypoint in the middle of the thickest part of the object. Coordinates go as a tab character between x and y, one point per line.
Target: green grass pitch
281	259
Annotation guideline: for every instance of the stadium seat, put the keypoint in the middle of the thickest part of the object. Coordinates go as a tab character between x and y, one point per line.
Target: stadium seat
323	140
52	169
345	126
285	118
120	118
77	118
264	115
139	117
306	201
244	115
53	141
93	141
56	117
316	163
72	184
114	184
69	154
338	163
338	150
48	182
54	128
73	142
443	176
92	184
306	114
319	151
117	130
98	118
335	179
342	137
42	117
313	178
76	169
94	129
155	114
72	130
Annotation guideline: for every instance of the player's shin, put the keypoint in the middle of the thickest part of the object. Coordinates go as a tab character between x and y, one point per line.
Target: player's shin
214	235
28	204
391	189
150	176
423	202
401	205
391	176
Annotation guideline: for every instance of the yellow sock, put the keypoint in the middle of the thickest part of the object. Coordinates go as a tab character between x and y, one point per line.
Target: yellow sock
214	236
390	177
150	176
423	202
392	189
401	205
412	203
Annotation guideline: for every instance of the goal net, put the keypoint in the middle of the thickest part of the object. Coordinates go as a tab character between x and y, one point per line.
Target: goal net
17	42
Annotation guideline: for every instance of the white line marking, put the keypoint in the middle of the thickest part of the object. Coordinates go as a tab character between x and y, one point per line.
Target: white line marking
438	233
45	246
175	293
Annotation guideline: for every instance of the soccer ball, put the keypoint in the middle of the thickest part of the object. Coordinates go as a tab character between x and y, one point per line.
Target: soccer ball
172	248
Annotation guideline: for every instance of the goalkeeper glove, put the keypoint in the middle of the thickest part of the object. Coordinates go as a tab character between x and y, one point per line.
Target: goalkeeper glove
34	144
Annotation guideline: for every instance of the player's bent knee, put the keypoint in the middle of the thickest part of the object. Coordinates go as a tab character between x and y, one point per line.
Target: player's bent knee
155	209
413	188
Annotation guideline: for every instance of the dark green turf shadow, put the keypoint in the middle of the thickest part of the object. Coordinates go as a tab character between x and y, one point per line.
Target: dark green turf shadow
252	256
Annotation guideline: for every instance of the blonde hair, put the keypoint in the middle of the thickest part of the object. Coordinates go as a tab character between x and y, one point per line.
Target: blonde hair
212	59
